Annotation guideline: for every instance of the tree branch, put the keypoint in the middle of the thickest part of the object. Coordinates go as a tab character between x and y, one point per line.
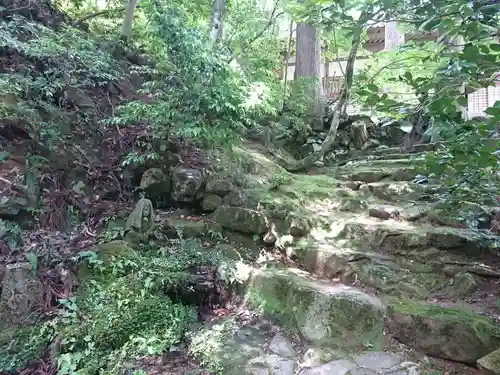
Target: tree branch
272	19
97	14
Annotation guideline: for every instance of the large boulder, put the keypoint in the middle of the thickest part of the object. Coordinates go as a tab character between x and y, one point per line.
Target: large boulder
449	333
241	220
325	314
155	182
186	184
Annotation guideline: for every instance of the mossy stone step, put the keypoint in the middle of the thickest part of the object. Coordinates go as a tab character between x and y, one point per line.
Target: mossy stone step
323	313
451	333
369	174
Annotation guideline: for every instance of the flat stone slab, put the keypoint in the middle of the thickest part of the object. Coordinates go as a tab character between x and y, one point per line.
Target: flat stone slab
371	363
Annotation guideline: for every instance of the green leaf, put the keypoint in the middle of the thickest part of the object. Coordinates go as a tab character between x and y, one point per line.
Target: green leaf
372	87
462	100
33	260
471	52
493	111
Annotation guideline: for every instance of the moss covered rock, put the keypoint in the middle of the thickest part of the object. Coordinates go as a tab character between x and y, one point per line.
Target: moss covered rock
241	220
219	187
323	313
155	182
490	364
21	294
211	202
449	333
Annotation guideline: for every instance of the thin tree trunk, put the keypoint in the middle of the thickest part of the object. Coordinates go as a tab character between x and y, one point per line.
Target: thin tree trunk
329	142
286	60
217	21
129	19
308	65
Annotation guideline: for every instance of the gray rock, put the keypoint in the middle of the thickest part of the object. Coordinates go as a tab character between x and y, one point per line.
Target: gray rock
219	187
463	285
371	363
282	346
155	181
339	367
314	357
490	364
235	198
327	315
186	183
385	362
241	220
384	212
211	202
271	364
450	333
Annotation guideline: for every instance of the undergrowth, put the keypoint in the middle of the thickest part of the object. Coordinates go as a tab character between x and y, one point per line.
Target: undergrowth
120	312
40	65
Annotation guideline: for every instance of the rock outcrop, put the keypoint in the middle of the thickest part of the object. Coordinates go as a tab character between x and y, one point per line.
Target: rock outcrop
450	333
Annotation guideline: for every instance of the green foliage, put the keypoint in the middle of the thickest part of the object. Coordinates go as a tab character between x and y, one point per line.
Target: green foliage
19	346
200	97
51	62
120	313
470	163
467	57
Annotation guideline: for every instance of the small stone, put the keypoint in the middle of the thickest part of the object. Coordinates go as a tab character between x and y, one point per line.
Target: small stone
299	228
269	238
353	185
384	212
211	202
282	346
314	357
219	187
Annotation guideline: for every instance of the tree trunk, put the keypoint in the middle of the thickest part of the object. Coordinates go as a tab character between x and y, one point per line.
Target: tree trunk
129	19
308	65
329	142
217	21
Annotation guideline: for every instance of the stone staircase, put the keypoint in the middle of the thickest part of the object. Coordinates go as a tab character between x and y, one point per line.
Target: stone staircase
378	270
